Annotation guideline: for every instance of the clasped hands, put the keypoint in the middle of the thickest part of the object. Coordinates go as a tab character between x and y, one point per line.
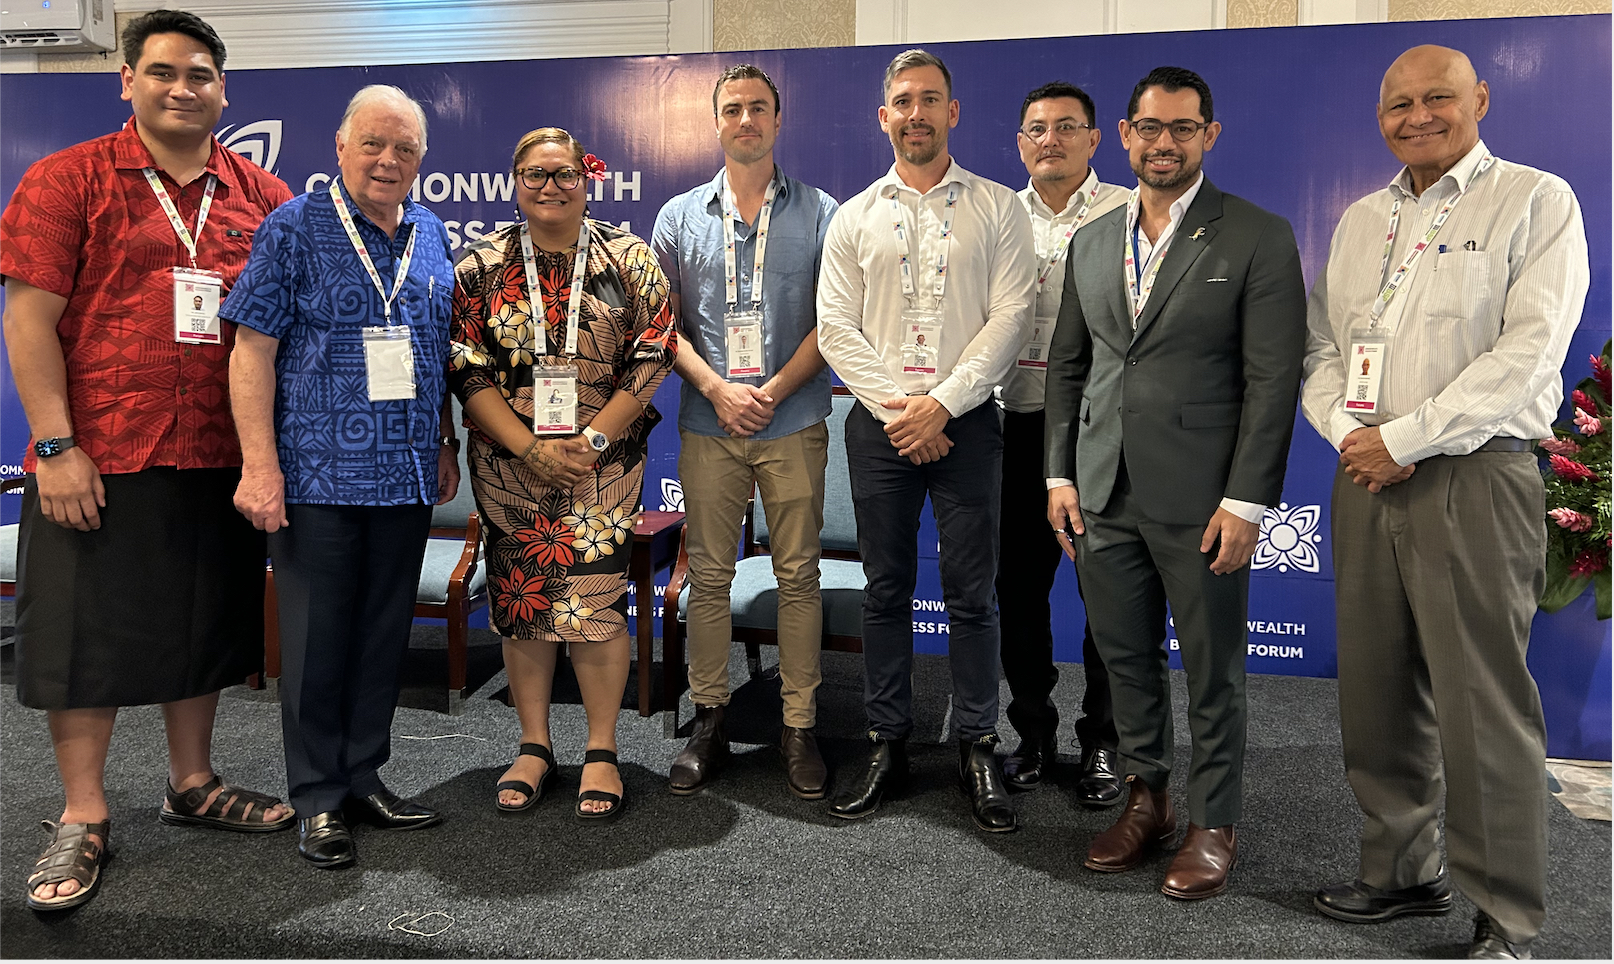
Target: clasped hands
917	432
742	410
1369	463
560	461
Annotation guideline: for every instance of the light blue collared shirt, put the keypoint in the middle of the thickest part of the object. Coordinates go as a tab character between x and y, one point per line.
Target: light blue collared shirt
688	241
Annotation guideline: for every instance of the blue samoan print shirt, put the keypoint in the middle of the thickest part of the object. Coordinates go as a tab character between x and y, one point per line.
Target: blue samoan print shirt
305	285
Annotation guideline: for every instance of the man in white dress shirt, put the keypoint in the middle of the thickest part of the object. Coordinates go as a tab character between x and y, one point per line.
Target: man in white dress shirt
1057	137
928	251
1438	508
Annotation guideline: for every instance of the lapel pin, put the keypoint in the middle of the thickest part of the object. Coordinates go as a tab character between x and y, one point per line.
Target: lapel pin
1198	233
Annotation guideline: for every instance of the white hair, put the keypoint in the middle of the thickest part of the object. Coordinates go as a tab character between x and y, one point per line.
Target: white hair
378	93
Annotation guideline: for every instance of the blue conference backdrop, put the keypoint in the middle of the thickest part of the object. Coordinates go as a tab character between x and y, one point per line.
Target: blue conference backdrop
1299	137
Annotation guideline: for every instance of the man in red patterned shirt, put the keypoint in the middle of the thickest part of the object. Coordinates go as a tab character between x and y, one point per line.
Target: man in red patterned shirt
138	582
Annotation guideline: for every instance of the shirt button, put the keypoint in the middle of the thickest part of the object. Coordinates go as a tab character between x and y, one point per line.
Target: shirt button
187	353
183	390
1131	361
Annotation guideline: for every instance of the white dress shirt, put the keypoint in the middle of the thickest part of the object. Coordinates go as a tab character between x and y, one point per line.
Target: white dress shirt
1022	390
1248	511
986	308
1479	330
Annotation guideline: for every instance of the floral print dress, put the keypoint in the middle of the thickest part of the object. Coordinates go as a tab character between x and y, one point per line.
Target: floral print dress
558	558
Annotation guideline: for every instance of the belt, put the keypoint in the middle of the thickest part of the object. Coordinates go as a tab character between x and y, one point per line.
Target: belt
1506	443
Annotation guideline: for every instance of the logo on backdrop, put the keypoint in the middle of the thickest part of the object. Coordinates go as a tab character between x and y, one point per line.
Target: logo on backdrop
258	142
1289	539
672	495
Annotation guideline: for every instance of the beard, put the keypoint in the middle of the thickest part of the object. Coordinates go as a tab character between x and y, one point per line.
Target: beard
922	154
1184	174
747	153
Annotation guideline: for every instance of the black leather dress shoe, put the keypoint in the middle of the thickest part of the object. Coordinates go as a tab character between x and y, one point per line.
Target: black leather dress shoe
1362	903
1100	783
1490	945
1027	765
978	777
324	840
386	809
886	774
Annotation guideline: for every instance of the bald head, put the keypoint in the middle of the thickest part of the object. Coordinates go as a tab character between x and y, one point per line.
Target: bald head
1430	106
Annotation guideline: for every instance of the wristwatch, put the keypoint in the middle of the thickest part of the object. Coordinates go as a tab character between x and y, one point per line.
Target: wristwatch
596	439
452	442
47	447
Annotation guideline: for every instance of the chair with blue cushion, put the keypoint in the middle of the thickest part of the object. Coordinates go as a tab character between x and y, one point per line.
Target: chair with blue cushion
754	596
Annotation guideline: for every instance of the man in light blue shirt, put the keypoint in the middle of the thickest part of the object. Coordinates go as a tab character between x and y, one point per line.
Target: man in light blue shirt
741	255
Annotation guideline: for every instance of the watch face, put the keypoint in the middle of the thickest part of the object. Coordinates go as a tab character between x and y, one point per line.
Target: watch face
47	447
598	441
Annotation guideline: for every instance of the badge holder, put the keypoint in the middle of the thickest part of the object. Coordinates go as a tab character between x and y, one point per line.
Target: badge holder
921	340
1034	354
389	361
196	306
744	343
1364	371
554	400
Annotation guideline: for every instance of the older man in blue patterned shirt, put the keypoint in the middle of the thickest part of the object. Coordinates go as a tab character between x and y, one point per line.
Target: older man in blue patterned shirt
338	388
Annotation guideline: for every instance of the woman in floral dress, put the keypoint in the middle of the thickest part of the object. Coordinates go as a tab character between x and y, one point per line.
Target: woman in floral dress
558	506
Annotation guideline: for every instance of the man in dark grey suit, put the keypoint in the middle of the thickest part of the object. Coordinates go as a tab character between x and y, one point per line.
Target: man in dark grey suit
1171	391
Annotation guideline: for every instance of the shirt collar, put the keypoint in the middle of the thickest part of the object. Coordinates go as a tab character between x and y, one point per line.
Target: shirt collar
411	210
1071	206
720	181
129	153
892	183
1180	206
1461	173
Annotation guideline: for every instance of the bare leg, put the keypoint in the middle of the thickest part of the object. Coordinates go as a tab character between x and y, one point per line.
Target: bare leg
602	675
80	738
530	666
190	749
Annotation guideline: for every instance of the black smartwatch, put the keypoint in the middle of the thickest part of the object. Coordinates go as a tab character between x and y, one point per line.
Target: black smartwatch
47	447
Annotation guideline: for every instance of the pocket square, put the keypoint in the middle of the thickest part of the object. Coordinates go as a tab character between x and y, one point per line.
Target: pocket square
1209	280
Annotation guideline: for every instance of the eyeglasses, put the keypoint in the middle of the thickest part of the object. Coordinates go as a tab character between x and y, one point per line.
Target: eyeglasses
1181	130
1064	130
534	178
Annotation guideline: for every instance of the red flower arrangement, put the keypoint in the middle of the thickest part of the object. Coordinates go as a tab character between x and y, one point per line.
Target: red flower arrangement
593	167
1576	477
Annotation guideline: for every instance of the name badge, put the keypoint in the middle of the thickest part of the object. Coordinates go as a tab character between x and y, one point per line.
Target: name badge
196	306
389	360
921	340
1364	371
554	400
1034	354
744	343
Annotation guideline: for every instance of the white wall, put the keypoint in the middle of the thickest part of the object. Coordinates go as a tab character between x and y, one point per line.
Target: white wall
932	21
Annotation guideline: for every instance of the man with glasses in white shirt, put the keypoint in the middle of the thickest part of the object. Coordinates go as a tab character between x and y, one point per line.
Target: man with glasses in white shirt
928	251
1057	137
1432	366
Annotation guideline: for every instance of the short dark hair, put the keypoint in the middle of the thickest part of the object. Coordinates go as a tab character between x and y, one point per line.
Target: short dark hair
908	60
170	21
744	72
1173	79
1060	88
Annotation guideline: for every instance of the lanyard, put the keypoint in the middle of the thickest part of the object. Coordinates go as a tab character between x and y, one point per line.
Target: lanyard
535	295
1391	286
1058	250
731	211
1139	296
402	270
185	236
903	251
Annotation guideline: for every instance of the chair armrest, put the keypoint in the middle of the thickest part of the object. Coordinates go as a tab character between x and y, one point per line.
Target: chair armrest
675	581
470	558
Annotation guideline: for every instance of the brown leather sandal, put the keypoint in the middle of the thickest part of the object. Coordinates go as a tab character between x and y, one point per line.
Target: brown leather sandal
233	809
72	855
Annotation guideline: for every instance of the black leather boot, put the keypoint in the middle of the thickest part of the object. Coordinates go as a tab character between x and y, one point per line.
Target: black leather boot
980	780
1029	764
703	756
886	774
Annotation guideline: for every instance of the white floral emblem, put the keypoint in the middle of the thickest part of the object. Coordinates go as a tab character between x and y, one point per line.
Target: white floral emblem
1289	539
672	495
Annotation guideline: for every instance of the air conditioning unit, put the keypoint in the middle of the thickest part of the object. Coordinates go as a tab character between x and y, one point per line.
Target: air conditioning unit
57	26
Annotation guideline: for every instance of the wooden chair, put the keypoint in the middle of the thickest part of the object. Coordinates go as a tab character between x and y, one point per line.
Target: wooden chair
754	596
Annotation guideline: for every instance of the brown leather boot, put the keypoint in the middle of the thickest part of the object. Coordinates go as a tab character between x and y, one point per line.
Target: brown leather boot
1147	821
704	754
1201	867
804	765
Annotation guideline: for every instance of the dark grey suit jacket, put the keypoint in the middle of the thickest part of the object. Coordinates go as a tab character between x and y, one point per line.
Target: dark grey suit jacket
1201	398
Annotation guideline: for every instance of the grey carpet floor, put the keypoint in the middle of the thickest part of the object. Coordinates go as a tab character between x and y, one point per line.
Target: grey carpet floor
740	870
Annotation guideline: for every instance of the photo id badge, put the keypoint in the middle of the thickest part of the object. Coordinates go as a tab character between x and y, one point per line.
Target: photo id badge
196	306
1035	353
921	340
554	400
744	343
390	362
1364	370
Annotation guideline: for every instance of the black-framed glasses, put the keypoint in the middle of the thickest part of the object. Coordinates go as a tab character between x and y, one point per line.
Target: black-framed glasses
1181	130
534	178
1064	130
